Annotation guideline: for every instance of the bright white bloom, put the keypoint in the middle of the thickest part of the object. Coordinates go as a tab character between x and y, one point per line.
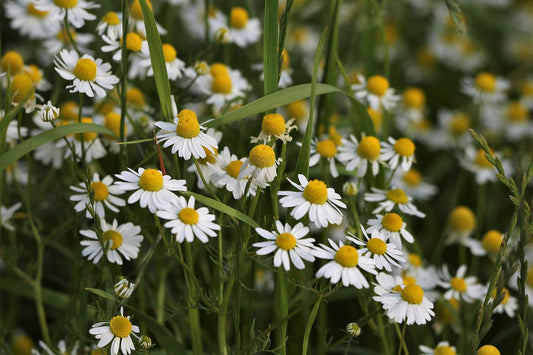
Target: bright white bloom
90	76
512	118
391	226
110	25
208	164
376	93
119	240
49	112
324	149
315	199
6	213
346	262
485	88
77	10
413	105
475	161
274	126
288	245
398	153
411	182
124	288
104	196
489	244
388	199
403	302
364	155
136	46
29	21
118	332
442	348
459	287
452	131
153	189
261	165
242	30
376	247
186	222
226	174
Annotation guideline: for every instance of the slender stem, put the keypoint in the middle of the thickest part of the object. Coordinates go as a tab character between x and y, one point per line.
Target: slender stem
194	314
69	34
123	86
82	139
221	320
383	333
402	344
283	299
309	325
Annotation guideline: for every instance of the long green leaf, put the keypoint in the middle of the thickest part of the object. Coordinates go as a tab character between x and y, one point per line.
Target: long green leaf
219	206
101	293
158	60
36	141
277	99
51	298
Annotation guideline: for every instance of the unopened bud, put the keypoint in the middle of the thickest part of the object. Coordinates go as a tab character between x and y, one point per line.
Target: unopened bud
353	329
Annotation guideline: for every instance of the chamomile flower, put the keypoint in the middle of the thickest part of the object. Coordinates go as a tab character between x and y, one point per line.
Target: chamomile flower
413	104
345	265
104	196
29	21
391	226
512	118
152	188
488	350
411	182
137	48
186	222
388	199
474	160
315	199
461	224
442	348
376	247
226	174
243	30
124	288
53	44
327	150
37	76
288	245
110	25
77	10
274	126
205	166
403	302
452	130
186	136
375	92
490	243
174	65
118	332
6	214
398	153
90	76
12	63
261	165
485	88
361	155
459	287
22	90
508	303
121	241
136	20
299	110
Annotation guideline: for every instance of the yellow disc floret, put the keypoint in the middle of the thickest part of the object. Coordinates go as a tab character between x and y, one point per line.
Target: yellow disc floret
114	236
409	280
335	136
481	160
218	69
298	110
404	147
488	350
234	168
133	42
169	52
376	117
112	121
377	246
444	350
187	126
378	85
326	148
369	148
505	293
34	12
347	256
68	111
210	155
22	88
486	82
412	178
273	124
120	326
111	18
34	72
100	190
135	97
412	294
221	84
238	17
188	215
285	60
85	69
491	241
286	241
462	219
136	11
151	180
459	124
397	196
12	62
392	222
414	259
414	98
316	192
262	156
517	112
66	4
458	284
22	344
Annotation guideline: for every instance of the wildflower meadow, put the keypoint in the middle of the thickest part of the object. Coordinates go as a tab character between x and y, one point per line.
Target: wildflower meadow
266	177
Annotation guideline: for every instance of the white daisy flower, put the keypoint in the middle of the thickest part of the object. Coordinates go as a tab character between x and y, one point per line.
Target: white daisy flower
327	150
411	182
22	88
226	174
153	189
452	131
104	196
388	199
288	245
376	248
118	332
89	76
375	92
124	288
298	110
242	30
174	65
364	155
490	243
413	104
186	222
442	348
12	133
485	88
403	302
508	304
136	46
399	152
77	10
261	165
315	199
61	346
110	25
6	213
512	118
119	240
474	160
391	226
86	143
208	164
28	21
274	126
459	287
37	76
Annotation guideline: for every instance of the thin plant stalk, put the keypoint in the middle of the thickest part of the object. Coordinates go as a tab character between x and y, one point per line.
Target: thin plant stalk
283	299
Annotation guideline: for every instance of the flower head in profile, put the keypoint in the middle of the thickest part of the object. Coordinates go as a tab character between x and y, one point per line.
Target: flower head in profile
459	286
385	255
442	348
398	153
261	165
485	88
389	199
28	21
118	332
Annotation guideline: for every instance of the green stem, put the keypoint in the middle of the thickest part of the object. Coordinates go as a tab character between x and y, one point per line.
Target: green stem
82	140
123	87
383	333
221	319
69	35
283	299
270	48
402	344
309	325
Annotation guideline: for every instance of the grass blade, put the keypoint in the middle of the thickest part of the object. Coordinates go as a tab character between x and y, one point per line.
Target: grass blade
270	48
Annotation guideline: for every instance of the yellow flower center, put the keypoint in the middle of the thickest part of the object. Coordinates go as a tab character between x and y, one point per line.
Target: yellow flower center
285	60
210	157
376	117
347	256
326	148
459	124
136	11
505	293
68	111
111	18
369	148
378	85
262	156
188	215
97	352
114	236
376	246
397	196
22	345
234	168
133	42
527	89
316	192
221	84
135	97
491	241
169	52
488	350
151	180
462	219
86	136
392	222
516	112
13	62
412	294
412	178
297	109
409	280
66	4
286	241
414	259
218	69
486	82
120	326
404	147
100	190
414	98
335	136
188	126
34	12
112	121
273	124
444	350
34	73
458	284
238	17
480	159
529	278
22	88
85	69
